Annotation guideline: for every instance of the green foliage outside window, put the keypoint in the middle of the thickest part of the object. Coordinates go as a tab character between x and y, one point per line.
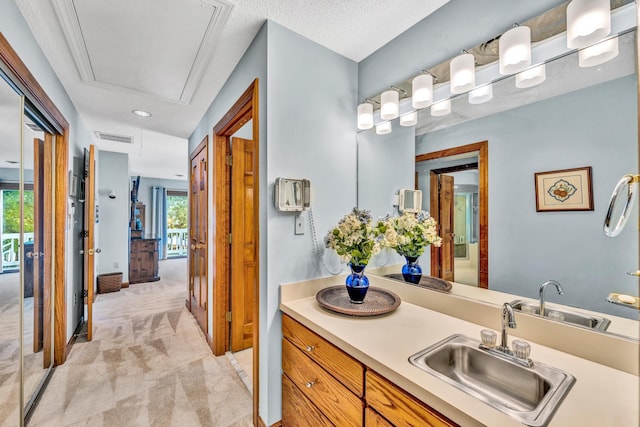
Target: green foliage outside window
176	212
11	211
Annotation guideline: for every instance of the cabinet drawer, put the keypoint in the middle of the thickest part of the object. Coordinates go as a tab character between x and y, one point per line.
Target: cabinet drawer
349	371
335	401
399	407
373	419
297	411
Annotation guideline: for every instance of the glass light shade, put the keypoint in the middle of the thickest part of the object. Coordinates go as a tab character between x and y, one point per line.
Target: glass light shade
481	95
514	50
365	116
389	105
409	119
463	73
531	77
422	91
588	21
383	128
598	53
442	108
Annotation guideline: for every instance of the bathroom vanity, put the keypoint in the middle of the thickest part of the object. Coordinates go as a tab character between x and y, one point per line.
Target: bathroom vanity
355	371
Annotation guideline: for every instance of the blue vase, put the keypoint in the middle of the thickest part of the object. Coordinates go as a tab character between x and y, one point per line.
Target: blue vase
411	271
357	284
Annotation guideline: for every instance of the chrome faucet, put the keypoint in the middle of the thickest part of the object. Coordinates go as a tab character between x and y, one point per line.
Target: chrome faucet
541	293
508	321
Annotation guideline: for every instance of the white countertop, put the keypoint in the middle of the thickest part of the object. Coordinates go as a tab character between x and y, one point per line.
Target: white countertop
601	396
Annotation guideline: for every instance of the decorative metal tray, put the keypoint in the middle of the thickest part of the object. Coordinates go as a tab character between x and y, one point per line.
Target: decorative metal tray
377	301
434	283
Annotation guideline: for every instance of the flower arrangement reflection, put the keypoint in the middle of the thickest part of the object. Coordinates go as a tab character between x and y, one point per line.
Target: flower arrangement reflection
409	234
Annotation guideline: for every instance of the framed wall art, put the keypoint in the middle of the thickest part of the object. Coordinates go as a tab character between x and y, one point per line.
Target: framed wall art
564	190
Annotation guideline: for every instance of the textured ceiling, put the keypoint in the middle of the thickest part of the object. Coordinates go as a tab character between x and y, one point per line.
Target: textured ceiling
125	43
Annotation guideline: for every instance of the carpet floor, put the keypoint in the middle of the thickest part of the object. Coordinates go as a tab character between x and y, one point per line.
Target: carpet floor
147	365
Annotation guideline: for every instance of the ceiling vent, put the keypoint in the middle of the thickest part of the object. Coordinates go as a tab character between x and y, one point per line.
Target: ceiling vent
112	137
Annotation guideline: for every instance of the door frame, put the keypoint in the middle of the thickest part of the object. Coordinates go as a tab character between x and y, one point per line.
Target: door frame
20	75
244	109
483	195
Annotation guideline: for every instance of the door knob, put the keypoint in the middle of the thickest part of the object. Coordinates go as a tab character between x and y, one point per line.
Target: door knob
98	250
193	247
29	254
81	251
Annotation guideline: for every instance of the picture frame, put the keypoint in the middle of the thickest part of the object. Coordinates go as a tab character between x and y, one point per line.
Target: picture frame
564	190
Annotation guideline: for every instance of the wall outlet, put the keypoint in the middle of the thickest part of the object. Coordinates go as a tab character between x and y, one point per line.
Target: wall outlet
299	224
116	265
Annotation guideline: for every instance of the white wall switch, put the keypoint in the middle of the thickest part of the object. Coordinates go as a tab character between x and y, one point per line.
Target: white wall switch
299	225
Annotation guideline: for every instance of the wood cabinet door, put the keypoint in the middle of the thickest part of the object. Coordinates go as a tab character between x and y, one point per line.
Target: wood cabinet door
297	410
399	407
333	399
373	419
346	369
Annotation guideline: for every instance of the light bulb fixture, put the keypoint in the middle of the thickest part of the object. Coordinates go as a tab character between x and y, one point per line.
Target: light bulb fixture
365	116
463	73
481	94
598	53
588	21
409	119
514	50
383	128
531	77
389	105
422	91
141	113
441	108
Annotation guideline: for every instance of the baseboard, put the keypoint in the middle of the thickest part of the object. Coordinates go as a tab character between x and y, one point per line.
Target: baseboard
125	285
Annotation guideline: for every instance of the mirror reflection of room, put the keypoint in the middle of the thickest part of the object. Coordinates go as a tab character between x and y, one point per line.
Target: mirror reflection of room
579	116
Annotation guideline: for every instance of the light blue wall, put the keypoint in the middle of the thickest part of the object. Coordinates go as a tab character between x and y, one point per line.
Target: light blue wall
594	127
307	129
459	24
113	173
17	32
310	134
253	65
385	165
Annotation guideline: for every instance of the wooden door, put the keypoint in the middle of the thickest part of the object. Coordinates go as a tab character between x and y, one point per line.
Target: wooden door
445	206
243	245
198	202
42	246
38	248
89	236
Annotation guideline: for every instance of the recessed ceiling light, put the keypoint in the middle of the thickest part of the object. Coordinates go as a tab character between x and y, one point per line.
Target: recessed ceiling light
141	113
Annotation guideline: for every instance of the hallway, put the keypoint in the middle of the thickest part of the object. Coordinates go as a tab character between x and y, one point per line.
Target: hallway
148	365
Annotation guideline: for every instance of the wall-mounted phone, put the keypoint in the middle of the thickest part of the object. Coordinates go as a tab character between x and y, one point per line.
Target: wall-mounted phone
292	195
409	200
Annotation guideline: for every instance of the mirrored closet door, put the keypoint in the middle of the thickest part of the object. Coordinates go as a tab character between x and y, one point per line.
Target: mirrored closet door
26	308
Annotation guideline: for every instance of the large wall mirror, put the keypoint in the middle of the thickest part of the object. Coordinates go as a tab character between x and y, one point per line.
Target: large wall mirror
26	304
578	117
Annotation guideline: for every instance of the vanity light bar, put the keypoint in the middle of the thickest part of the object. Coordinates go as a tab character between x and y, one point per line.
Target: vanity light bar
585	21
